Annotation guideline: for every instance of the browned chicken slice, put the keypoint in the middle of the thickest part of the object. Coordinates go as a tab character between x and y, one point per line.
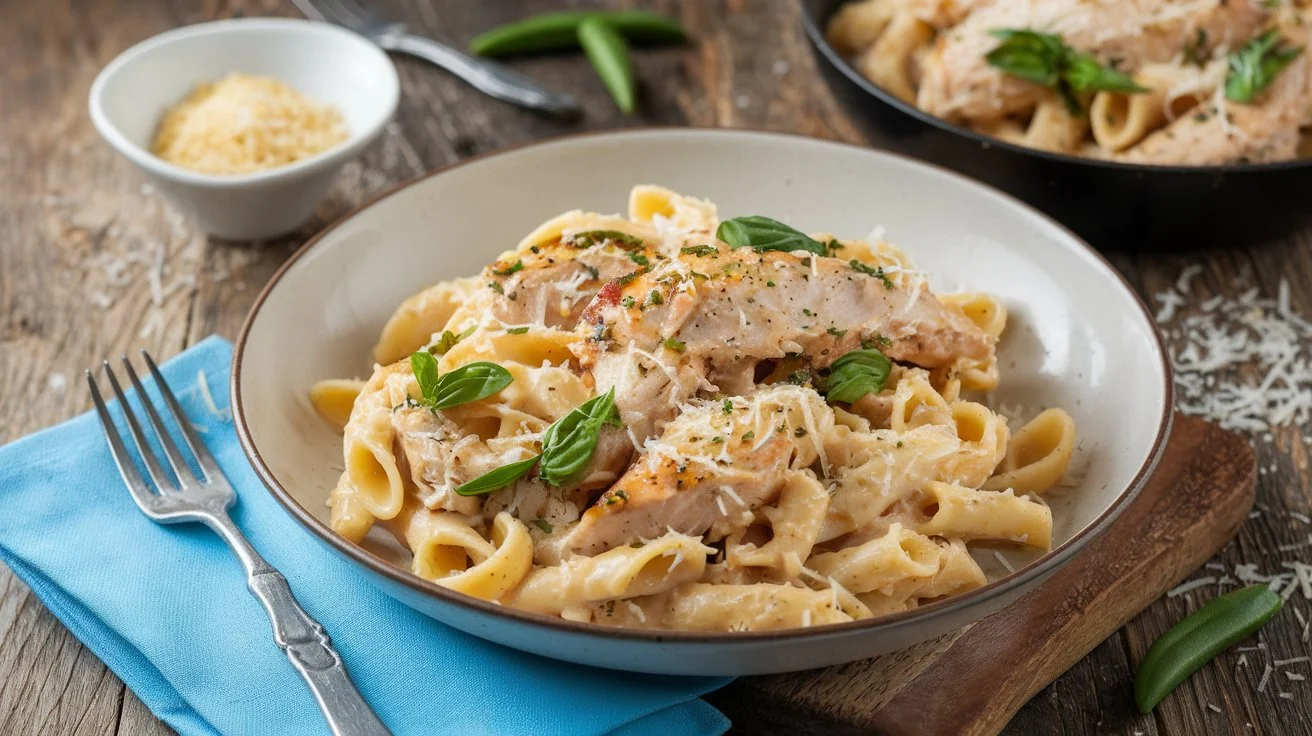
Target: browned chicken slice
551	283
705	318
1267	130
958	83
712	466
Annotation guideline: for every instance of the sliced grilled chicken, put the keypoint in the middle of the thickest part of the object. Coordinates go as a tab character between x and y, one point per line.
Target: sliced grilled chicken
712	466
1267	130
958	83
551	283
706	317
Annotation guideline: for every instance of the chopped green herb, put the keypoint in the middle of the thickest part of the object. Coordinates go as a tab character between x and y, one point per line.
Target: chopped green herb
808	312
674	344
769	283
655	297
717	440
699	250
593	273
799	377
1196	51
448	340
639	258
589	238
517	330
627	301
496	286
748	435
879	341
512	268
728	406
878	272
836	332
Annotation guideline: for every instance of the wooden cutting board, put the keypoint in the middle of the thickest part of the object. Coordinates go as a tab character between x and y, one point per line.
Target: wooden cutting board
971	682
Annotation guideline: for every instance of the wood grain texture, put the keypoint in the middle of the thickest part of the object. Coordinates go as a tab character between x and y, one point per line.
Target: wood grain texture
69	207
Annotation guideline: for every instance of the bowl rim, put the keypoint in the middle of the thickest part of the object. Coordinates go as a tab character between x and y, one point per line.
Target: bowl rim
1037	570
836	60
355	142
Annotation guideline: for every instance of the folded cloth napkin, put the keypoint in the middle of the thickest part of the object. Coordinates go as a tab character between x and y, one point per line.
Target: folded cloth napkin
166	607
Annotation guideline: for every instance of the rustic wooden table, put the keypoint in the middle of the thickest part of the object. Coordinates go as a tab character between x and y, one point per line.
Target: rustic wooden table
69	207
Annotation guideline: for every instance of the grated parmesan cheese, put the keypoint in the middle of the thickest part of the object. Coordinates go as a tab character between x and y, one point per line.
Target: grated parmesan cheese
1212	344
244	123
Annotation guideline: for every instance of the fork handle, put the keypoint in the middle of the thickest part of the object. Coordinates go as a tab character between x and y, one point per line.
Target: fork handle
304	641
487	76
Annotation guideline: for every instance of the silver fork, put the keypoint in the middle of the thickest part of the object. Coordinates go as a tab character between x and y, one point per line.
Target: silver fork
490	77
206	499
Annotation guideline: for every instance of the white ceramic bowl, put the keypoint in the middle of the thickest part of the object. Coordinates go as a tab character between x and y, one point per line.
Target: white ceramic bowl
328	64
1078	338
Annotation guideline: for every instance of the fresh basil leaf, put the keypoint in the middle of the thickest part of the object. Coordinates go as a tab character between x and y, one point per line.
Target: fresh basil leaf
589	238
499	478
1045	59
448	340
1255	66
1084	74
856	374
1032	56
763	233
424	366
468	383
569	442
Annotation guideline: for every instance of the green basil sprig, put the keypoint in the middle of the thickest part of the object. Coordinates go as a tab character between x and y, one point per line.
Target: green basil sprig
1045	59
465	384
1254	66
499	478
568	443
763	233
856	374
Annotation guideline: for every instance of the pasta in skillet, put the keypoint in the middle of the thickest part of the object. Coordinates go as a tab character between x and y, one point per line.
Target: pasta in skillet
1179	82
670	421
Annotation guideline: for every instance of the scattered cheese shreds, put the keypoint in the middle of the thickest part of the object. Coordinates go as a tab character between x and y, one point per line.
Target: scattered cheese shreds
1211	342
1185	587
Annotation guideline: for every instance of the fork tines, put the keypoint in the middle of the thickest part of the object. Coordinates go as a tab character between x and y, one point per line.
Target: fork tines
182	477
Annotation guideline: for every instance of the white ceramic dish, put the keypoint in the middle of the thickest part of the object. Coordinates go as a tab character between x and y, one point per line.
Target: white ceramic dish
328	64
1079	338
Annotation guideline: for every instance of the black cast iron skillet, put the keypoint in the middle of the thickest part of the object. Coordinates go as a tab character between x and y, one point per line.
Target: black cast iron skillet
1113	205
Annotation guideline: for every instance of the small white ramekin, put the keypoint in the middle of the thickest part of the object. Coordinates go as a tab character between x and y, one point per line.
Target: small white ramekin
328	64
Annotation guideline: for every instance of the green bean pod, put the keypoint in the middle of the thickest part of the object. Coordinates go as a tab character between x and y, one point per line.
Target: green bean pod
1197	639
560	32
609	55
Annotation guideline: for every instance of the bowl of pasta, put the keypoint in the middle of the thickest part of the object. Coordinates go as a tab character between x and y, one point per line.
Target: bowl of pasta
732	429
1153	124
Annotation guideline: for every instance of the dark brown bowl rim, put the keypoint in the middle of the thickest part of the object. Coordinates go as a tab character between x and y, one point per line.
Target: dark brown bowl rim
1049	562
836	60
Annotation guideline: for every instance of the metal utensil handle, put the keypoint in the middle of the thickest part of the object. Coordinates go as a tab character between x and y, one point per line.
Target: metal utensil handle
303	640
487	76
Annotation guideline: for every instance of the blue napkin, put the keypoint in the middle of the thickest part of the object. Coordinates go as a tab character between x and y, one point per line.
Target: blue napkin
167	607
